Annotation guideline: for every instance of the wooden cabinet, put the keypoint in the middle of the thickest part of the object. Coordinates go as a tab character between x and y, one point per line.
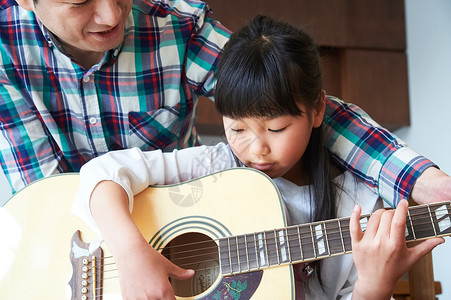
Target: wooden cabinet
362	44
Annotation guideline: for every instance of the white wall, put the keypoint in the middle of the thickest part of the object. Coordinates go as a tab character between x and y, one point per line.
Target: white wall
429	63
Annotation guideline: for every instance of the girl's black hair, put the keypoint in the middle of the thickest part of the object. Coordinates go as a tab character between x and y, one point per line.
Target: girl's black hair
266	69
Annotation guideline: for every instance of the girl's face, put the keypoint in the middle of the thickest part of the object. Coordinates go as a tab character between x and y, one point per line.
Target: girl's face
274	146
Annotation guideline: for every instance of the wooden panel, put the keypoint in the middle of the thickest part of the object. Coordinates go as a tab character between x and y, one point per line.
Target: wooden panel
375	24
209	121
336	23
362	46
377	82
331	68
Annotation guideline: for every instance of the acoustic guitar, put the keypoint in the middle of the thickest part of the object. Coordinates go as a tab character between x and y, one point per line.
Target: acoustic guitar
229	227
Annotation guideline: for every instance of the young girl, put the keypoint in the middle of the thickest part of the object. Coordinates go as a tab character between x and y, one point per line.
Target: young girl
270	95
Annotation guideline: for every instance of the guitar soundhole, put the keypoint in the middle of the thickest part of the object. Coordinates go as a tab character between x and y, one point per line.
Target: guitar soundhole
198	252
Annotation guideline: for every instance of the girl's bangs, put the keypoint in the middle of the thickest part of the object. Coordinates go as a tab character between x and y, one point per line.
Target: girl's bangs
257	87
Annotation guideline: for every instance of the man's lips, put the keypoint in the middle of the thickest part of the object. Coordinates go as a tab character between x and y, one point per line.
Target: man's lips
107	33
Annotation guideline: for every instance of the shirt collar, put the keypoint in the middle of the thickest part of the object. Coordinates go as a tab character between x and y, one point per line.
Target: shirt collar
109	57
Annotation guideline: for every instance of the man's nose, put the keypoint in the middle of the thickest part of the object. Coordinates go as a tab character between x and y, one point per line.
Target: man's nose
108	12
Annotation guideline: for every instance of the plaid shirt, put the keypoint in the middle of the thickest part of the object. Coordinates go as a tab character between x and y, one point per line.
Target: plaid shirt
55	115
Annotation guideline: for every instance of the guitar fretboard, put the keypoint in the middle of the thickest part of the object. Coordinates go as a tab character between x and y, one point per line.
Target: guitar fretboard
306	242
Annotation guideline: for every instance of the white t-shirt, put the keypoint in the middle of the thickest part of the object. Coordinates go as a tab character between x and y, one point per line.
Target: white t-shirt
135	170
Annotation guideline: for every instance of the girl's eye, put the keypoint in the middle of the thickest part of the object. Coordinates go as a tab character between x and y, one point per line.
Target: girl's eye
277	130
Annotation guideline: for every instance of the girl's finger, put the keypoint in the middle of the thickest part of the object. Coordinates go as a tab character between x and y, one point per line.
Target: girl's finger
385	224
373	223
398	229
354	224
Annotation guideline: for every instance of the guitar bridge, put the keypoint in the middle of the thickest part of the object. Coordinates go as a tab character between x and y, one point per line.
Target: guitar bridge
87	270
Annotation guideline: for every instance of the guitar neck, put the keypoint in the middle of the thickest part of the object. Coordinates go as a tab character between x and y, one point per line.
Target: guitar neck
311	241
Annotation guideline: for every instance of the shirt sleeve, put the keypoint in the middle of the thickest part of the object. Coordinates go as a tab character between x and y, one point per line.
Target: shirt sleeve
203	51
135	170
372	153
27	150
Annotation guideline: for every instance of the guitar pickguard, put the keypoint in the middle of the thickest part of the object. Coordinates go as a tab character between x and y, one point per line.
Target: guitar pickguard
236	287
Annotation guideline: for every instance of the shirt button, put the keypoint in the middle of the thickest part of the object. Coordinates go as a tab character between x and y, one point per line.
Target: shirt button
116	52
86	79
92	120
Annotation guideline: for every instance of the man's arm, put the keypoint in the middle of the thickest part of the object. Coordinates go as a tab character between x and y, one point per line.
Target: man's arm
433	185
372	153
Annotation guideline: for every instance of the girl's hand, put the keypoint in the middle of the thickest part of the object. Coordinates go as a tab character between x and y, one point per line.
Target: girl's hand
380	253
144	273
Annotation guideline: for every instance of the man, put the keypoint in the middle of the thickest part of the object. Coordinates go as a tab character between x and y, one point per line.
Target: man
79	78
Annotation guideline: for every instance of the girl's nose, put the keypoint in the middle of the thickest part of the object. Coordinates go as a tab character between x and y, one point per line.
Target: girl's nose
258	146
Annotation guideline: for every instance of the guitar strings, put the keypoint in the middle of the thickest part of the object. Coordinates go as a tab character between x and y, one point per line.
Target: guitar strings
272	242
306	241
329	231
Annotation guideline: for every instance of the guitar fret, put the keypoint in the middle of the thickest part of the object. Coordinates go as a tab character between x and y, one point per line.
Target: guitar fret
251	251
313	241
262	251
432	220
326	236
307	246
333	237
256	252
341	235
284	250
238	270
346	235
271	248
234	255
277	247
224	256
293	241
287	236
247	253
242	259
320	244
442	217
420	220
300	244
410	232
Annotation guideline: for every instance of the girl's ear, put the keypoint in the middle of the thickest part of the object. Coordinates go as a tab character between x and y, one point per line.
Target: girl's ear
318	112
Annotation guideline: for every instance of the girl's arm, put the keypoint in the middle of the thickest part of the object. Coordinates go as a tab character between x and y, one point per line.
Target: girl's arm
143	272
380	253
105	199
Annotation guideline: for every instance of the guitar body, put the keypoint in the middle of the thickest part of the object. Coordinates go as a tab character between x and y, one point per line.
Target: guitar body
37	245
